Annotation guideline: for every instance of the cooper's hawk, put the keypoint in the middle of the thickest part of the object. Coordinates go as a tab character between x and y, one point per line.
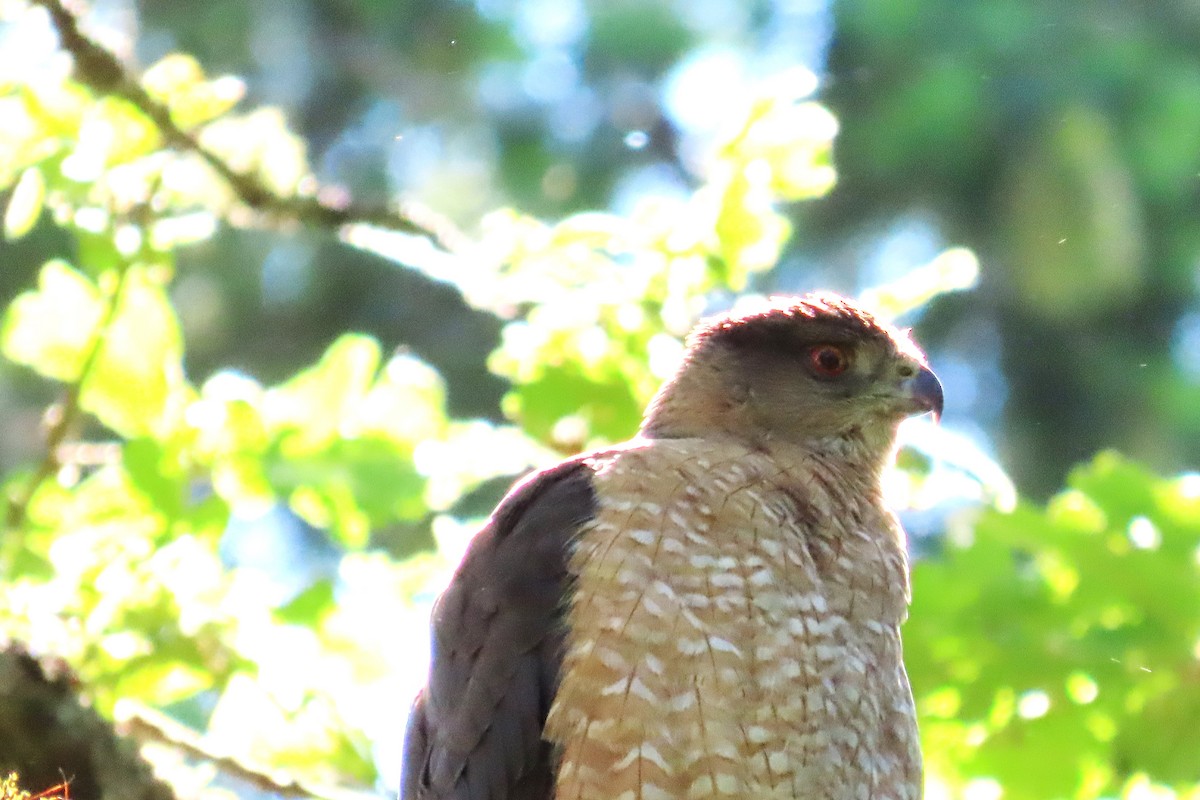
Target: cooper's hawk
709	610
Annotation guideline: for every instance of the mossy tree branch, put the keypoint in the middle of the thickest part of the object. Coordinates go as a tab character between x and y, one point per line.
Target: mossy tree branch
101	71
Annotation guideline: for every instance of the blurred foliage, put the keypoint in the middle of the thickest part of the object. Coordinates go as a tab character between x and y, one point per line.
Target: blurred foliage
1056	650
1057	140
1052	649
605	291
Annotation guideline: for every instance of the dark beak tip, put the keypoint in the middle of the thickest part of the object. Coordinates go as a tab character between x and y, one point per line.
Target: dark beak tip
927	391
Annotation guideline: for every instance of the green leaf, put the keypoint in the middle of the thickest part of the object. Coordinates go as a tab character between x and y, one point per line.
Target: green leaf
750	234
137	386
131	134
174	74
29	565
309	607
25	205
52	328
153	473
342	435
352	755
178	80
314	403
1030	755
138	370
605	407
1099	588
263	144
1122	488
160	681
205	516
350	486
97	253
385	483
1161	740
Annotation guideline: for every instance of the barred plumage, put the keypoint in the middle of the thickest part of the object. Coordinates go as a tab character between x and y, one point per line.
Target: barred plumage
711	610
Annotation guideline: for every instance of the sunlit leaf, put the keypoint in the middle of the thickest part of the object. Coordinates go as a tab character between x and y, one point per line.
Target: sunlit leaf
162	680
179	81
20	130
171	75
383	479
26	564
316	402
25	204
603	409
137	386
408	384
1155	739
150	469
1065	603
260	144
170	233
750	233
97	253
53	329
350	485
952	270
308	607
113	131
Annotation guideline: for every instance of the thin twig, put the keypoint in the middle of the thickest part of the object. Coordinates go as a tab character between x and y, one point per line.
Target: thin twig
62	419
62	415
103	72
145	725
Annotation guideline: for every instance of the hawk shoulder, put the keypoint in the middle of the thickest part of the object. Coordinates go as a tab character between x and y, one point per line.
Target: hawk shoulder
476	730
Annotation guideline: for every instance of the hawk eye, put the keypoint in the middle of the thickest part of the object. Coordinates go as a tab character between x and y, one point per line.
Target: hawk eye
829	360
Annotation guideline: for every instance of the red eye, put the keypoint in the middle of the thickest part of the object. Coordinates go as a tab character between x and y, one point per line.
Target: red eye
829	360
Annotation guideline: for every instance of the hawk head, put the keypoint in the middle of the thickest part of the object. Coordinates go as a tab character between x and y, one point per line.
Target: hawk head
817	370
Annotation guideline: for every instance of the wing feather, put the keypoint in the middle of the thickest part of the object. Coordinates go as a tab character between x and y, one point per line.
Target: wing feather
476	730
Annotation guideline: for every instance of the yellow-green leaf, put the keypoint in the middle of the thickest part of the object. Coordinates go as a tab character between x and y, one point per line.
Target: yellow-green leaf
173	74
52	328
138	376
316	401
178	80
25	205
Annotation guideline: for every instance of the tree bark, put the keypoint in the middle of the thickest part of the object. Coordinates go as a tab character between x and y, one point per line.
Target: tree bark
48	736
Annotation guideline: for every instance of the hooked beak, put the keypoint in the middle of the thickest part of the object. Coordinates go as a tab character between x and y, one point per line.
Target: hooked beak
925	390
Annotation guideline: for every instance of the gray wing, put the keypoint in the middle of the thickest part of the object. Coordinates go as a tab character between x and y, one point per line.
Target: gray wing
476	729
